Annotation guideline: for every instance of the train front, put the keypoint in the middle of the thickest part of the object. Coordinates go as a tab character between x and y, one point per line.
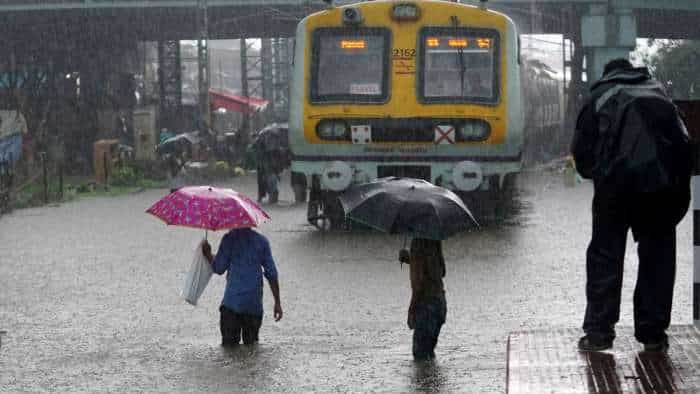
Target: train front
426	89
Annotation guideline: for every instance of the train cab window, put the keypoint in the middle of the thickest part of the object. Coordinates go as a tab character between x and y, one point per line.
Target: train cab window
350	65
459	65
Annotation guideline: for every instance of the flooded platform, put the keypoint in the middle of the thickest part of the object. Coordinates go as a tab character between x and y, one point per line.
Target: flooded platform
549	362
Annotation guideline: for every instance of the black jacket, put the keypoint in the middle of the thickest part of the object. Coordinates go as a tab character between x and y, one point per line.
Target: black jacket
631	141
583	146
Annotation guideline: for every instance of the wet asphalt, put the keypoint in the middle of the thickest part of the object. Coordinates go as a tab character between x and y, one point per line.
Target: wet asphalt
89	298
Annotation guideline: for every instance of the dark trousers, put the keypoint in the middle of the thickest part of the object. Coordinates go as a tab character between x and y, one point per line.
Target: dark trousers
653	295
267	184
236	325
430	316
261	182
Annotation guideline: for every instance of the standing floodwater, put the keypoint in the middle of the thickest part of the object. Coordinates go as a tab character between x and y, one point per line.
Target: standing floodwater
89	299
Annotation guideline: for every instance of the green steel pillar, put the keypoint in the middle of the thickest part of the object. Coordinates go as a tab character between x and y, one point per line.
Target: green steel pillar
607	33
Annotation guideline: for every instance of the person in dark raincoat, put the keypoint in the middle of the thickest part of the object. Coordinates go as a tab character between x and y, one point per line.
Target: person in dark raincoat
628	119
271	160
428	308
268	175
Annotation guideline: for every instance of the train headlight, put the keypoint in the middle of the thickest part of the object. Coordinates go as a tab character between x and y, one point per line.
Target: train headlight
474	130
467	176
337	176
332	130
405	12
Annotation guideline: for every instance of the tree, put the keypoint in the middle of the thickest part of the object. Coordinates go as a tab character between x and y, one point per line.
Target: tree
675	65
26	87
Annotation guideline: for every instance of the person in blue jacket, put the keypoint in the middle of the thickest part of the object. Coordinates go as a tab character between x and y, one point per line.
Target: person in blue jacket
245	256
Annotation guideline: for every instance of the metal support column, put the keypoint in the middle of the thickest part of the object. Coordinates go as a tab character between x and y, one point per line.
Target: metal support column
281	70
170	81
251	77
576	88
203	62
266	68
245	121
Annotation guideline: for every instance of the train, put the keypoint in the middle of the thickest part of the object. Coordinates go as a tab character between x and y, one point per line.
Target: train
425	89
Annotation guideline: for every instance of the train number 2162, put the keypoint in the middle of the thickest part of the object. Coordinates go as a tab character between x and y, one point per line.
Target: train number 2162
404	52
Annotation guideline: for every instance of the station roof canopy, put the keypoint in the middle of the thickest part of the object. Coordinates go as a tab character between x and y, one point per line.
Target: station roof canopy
235	103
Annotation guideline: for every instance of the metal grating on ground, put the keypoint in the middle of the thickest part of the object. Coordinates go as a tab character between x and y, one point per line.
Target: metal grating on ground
549	362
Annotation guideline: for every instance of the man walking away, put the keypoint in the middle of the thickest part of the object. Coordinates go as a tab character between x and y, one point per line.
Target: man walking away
632	143
244	254
428	309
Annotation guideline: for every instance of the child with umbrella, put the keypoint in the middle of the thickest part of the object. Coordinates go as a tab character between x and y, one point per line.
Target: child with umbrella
428	308
430	214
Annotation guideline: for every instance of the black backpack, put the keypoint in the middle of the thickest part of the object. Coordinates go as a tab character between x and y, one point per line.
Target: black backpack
643	140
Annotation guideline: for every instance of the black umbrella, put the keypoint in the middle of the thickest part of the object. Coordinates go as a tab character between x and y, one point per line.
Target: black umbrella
407	206
272	137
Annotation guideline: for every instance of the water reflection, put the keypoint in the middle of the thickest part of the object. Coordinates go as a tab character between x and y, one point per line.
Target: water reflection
602	374
655	373
240	353
428	377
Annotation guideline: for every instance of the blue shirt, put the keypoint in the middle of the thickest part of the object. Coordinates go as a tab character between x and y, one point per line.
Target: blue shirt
244	254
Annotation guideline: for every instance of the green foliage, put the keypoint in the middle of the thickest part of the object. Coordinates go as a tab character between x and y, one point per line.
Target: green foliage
222	167
125	176
83	188
675	65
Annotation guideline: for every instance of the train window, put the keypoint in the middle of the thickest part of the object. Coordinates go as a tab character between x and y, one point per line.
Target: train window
459	65
350	65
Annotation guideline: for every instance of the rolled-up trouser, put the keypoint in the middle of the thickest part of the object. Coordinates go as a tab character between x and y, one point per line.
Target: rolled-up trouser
236	325
430	316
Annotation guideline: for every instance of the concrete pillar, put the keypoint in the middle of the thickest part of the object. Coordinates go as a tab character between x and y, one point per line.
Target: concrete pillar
607	33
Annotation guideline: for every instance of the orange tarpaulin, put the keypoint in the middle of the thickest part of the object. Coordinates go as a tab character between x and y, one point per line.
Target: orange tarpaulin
235	103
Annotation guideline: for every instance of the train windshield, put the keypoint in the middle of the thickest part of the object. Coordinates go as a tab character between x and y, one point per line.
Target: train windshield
350	65
459	65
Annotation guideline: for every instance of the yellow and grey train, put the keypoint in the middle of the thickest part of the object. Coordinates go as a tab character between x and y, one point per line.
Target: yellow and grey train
425	89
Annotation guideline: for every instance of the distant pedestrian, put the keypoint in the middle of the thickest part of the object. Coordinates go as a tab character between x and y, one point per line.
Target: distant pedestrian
631	142
428	308
268	172
245	256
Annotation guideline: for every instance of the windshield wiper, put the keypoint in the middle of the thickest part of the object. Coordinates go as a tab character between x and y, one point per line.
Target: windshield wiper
462	70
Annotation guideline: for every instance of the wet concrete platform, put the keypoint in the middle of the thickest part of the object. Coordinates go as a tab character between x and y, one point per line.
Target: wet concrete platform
548	361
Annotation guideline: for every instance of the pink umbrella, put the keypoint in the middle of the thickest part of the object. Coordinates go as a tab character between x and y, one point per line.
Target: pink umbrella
208	208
